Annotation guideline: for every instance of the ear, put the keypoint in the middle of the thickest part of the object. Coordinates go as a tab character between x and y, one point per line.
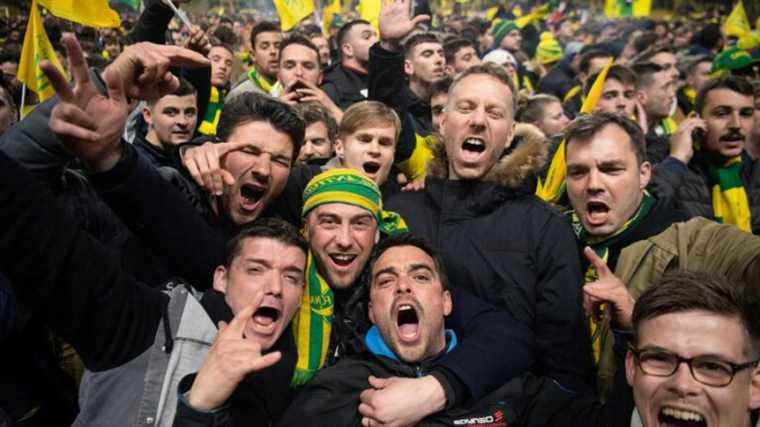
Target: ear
754	389
630	367
220	279
146	113
408	67
645	174
339	149
347	50
319	80
371	314
377	235
447	305
510	135
641	97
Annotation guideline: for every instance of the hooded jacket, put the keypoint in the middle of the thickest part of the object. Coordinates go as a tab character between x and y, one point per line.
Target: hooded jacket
506	246
345	86
689	186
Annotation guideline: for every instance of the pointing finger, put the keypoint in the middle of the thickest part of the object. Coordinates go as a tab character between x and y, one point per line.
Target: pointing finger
237	326
61	86
601	267
77	62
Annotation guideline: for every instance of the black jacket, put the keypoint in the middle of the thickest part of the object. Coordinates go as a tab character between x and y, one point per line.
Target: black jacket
506	246
345	86
388	84
689	186
559	80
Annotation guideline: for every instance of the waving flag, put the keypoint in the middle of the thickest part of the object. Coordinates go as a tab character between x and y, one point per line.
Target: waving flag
95	13
36	48
292	12
737	24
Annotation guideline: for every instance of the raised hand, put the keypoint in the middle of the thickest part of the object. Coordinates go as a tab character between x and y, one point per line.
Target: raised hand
607	289
400	401
198	41
395	23
312	93
681	142
143	69
204	164
231	358
95	141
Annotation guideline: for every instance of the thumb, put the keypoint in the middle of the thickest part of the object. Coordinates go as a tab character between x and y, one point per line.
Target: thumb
227	177
115	88
417	20
376	382
265	361
601	267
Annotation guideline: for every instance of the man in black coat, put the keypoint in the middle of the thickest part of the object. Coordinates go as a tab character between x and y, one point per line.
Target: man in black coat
346	82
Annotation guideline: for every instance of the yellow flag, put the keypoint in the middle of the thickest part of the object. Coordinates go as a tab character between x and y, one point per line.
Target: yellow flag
369	10
596	89
36	48
292	12
327	15
627	8
95	13
737	24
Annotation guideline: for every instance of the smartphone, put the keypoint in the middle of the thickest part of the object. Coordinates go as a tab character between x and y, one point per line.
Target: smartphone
698	137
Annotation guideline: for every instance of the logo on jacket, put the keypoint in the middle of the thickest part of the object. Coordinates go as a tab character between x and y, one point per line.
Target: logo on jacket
493	420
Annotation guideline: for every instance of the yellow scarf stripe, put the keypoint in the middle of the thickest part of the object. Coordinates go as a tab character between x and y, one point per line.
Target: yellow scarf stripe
729	198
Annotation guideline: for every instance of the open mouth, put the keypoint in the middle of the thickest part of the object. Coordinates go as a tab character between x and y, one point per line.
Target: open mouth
251	195
475	145
342	260
371	167
672	417
265	318
596	212
408	322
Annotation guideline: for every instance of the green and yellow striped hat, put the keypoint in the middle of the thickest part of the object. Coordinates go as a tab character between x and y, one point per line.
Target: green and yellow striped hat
351	187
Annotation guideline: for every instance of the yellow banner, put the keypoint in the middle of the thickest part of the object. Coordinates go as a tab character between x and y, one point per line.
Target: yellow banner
737	24
292	12
596	90
95	13
329	10
36	48
369	10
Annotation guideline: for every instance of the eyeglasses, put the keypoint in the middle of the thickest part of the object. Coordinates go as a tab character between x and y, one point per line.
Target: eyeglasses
708	370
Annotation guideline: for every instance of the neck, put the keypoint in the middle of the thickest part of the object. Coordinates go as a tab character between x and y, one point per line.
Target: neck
153	140
753	147
353	64
261	73
421	89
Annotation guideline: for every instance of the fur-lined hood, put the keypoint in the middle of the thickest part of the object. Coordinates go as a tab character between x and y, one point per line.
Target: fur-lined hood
513	169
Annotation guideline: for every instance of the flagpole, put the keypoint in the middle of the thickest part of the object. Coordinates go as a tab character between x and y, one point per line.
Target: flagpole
23	99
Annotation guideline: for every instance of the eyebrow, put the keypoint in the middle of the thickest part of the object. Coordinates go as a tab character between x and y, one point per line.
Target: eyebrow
420	266
386	270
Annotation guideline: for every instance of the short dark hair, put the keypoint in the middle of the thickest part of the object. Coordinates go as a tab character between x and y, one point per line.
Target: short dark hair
645	72
408	239
654	51
302	40
530	109
590	55
451	47
691	65
680	291
418	39
269	228
730	82
494	71
340	38
620	73
441	86
225	36
185	88
253	107
314	112
584	127
263	27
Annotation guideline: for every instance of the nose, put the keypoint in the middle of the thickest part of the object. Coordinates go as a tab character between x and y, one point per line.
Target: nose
403	285
478	118
262	167
374	148
735	120
682	382
307	150
594	183
343	237
299	71
274	286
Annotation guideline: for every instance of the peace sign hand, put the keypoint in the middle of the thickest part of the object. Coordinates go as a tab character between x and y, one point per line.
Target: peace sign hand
607	289
231	358
95	141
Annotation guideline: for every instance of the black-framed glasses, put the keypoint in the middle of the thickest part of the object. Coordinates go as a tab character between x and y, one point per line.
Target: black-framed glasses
708	370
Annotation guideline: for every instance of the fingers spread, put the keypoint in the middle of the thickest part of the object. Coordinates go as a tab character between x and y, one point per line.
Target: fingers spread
77	62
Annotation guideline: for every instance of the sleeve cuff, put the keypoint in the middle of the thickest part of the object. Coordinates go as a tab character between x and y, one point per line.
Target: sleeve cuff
104	181
193	417
455	391
674	164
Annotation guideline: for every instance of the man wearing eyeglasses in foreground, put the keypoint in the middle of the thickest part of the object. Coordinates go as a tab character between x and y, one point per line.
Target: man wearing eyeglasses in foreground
712	327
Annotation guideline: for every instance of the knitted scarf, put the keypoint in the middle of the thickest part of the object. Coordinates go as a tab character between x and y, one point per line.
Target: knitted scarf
213	112
260	80
729	198
601	246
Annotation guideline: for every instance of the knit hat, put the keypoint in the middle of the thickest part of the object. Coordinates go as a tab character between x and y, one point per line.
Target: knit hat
549	49
351	187
732	59
337	21
500	29
500	57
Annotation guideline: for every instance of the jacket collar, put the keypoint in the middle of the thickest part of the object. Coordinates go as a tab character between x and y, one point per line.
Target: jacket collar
377	346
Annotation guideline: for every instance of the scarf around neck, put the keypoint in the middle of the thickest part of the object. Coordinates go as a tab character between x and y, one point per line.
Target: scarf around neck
729	197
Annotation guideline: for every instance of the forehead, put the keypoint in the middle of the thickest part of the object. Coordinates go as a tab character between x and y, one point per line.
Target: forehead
262	134
421	47
439	99
664	58
298	52
464	50
728	97
271	250
615	84
319	41
218	50
481	88
343	210
378	128
359	29
175	101
610	143
695	332
401	257
268	36
316	128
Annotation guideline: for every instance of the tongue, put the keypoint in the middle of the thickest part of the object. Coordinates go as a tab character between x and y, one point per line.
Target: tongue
408	329
263	320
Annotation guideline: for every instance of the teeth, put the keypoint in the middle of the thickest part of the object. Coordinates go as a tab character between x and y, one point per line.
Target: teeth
474	141
343	257
682	414
405	307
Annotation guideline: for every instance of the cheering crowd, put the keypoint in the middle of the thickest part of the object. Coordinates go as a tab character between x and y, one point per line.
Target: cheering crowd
542	218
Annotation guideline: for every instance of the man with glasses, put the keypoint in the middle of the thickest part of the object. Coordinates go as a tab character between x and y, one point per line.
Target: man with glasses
694	354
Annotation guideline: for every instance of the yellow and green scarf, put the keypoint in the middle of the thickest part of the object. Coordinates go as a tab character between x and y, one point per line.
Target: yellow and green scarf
667	126
213	112
260	81
601	245
312	323
729	198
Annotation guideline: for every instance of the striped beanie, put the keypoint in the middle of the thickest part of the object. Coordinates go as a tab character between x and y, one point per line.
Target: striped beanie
549	49
500	29
351	187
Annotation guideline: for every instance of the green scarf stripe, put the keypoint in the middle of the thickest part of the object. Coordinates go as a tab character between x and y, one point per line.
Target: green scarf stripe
601	242
315	327
728	177
260	81
347	187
